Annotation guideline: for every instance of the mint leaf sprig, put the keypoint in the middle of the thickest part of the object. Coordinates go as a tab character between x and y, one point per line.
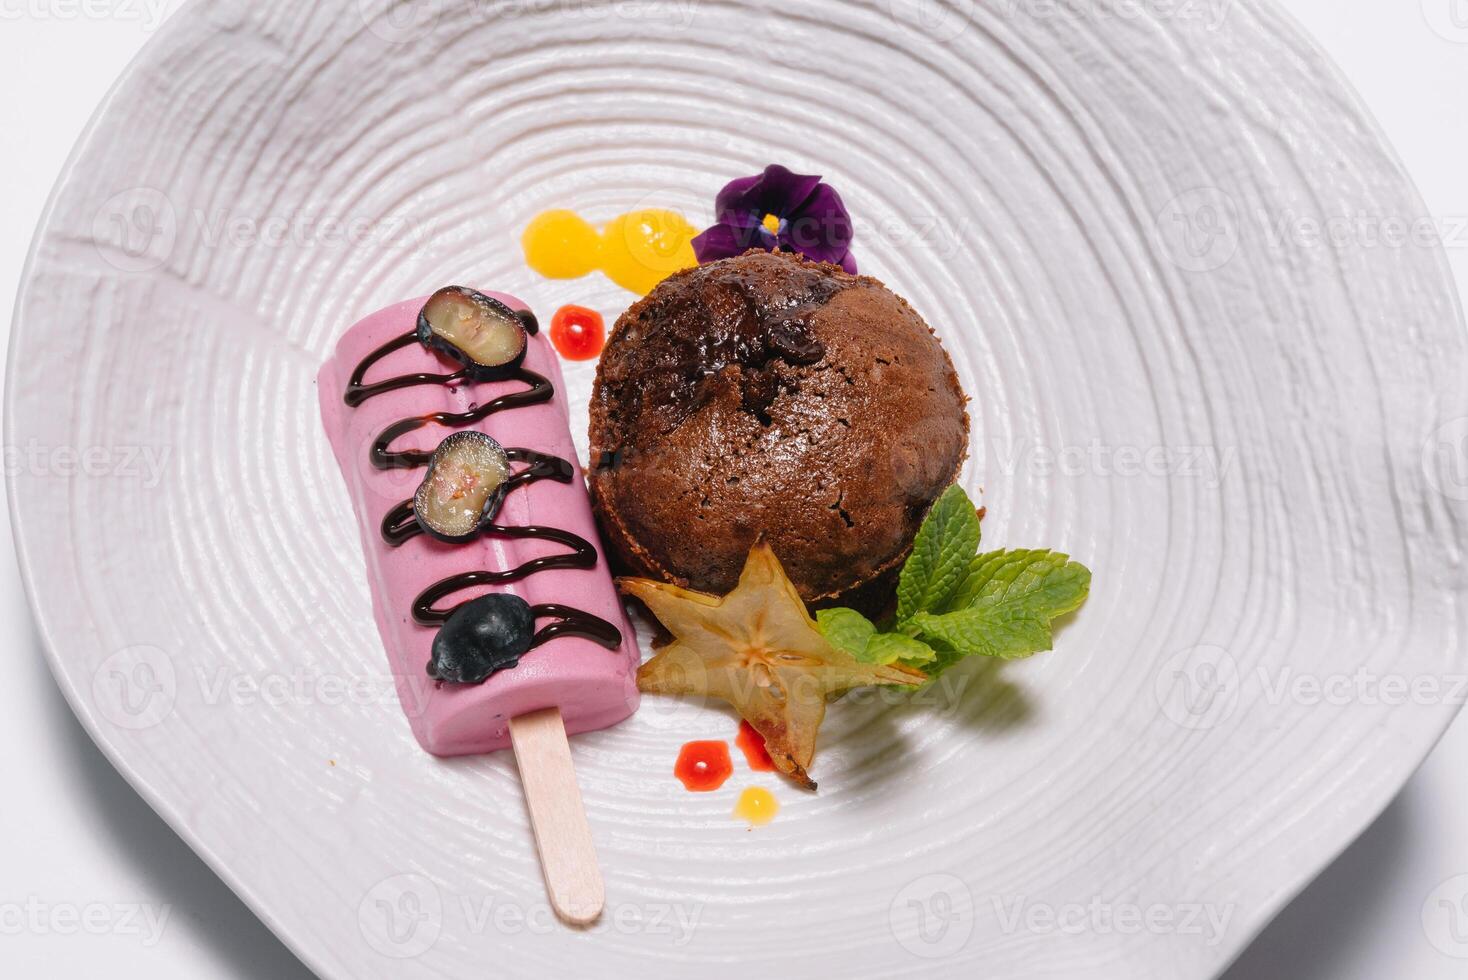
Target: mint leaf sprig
953	602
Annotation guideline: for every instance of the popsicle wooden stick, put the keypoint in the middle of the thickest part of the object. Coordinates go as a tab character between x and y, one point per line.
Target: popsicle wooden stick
562	836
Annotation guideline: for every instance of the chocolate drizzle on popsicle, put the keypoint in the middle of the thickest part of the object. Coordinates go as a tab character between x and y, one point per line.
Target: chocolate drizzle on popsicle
358	391
582	555
457	307
540	390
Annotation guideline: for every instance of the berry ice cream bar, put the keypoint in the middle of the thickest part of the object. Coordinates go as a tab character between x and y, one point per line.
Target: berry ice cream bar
448	418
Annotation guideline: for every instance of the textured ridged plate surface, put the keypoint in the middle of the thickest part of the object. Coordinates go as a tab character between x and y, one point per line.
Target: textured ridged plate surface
1105	210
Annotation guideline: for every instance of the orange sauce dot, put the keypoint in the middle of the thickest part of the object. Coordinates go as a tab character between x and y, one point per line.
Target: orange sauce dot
703	766
752	744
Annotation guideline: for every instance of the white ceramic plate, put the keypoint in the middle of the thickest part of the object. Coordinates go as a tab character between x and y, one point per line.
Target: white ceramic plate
1156	238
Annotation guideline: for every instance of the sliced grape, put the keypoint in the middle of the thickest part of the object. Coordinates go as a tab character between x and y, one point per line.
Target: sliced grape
478	331
459	492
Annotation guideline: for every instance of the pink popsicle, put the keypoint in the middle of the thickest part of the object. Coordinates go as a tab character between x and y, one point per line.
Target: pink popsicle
592	686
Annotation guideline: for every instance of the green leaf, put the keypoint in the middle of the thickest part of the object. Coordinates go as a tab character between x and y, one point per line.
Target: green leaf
887	648
952	603
944	656
849	630
846	630
1011	598
941	555
981	569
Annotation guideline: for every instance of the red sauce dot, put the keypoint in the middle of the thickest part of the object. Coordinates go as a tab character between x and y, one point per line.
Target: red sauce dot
578	333
703	766
752	743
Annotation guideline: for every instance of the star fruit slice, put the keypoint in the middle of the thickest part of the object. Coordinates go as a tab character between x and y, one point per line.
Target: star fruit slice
758	649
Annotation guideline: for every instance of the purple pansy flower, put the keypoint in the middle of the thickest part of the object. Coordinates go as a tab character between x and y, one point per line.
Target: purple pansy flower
779	211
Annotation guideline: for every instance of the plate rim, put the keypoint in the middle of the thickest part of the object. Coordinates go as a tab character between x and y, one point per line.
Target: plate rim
1363	815
169	814
1335	75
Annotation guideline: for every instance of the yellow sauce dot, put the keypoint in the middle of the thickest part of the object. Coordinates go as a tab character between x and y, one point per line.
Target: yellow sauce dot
636	250
561	245
757	805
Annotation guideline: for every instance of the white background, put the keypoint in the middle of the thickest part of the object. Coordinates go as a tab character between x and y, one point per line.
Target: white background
73	834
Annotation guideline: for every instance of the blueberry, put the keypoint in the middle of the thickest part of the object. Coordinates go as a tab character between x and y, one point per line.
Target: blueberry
482	636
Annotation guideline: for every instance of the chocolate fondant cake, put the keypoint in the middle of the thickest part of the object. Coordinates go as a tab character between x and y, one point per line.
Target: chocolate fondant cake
768	395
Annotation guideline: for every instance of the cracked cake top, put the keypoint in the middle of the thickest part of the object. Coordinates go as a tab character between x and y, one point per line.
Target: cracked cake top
766	394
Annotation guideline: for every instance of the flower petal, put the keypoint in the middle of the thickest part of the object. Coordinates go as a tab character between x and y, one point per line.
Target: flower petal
778	191
733	206
822	228
724	241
